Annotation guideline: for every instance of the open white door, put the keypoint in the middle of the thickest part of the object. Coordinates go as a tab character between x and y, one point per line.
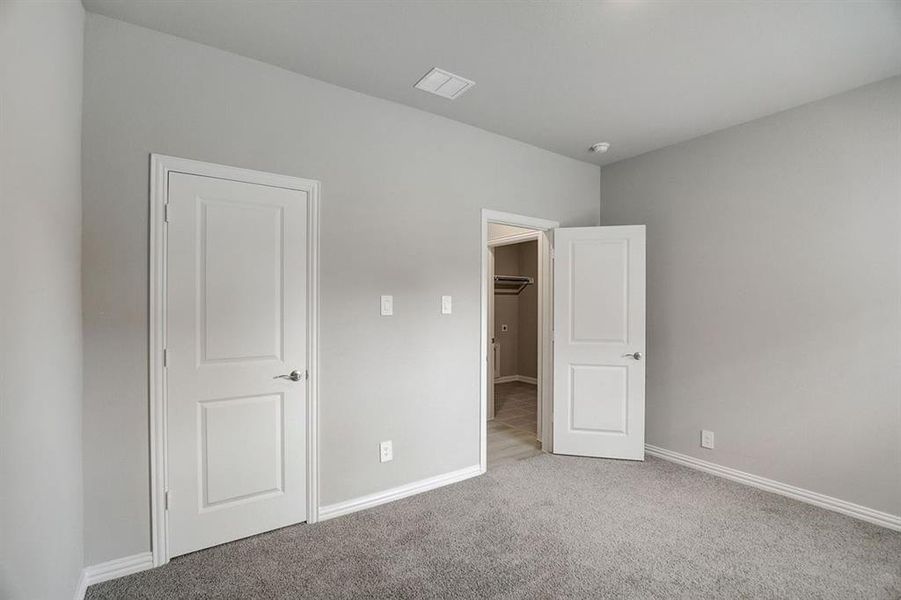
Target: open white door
599	341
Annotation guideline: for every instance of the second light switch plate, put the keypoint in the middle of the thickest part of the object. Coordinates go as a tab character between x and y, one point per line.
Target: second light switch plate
387	306
446	305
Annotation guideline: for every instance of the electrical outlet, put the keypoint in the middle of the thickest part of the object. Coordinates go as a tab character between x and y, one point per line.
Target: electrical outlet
706	439
386	452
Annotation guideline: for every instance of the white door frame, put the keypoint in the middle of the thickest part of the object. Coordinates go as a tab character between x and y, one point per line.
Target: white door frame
545	324
160	167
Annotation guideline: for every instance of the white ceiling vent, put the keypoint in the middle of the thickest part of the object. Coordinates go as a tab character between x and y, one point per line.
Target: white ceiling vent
444	84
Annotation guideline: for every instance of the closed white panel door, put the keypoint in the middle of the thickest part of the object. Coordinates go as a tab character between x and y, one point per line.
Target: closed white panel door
236	320
599	341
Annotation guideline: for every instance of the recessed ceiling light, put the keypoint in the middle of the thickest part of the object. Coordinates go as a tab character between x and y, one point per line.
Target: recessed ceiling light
443	83
600	147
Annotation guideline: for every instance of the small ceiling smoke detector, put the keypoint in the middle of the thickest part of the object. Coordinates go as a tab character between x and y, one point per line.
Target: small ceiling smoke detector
600	147
444	84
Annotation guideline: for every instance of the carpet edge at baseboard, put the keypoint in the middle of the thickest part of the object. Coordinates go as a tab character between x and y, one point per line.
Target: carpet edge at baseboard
112	569
128	565
844	507
139	562
417	487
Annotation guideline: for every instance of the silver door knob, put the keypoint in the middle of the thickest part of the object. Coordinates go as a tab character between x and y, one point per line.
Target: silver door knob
635	355
293	375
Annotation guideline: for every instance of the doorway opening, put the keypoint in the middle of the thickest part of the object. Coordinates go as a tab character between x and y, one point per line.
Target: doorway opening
590	367
516	337
514	431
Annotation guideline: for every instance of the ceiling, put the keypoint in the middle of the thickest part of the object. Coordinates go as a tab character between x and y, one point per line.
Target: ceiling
561	75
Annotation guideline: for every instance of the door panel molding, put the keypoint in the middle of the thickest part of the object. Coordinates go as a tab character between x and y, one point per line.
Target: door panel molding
160	168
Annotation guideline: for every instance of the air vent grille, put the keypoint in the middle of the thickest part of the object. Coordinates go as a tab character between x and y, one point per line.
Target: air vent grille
444	84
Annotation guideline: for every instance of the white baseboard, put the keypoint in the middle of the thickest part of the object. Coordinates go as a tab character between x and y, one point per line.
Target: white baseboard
112	569
520	378
783	489
417	487
141	562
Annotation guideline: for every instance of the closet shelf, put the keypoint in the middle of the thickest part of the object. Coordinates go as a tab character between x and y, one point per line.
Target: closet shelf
510	285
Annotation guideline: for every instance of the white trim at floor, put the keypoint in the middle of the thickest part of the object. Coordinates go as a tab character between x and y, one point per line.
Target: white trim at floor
141	562
783	489
112	569
520	378
417	487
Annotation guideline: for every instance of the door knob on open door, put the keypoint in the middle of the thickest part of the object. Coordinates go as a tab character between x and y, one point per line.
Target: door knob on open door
635	355
293	375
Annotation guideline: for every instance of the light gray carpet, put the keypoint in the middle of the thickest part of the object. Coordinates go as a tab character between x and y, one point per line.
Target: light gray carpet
552	527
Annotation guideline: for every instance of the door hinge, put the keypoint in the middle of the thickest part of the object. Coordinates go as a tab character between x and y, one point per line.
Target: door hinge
165	357
166	212
167	495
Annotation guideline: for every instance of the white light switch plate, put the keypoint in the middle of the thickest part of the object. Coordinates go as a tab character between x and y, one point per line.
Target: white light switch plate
446	305
387	306
706	439
386	452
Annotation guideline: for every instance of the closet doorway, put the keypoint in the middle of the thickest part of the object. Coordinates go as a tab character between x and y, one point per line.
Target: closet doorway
514	428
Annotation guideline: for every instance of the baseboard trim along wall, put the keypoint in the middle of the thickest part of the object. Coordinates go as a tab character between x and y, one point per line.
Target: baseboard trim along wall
141	562
112	569
121	567
411	489
783	489
520	378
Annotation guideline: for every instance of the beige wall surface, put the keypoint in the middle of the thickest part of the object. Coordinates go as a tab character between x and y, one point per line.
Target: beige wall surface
506	311
527	349
41	516
774	255
519	344
402	194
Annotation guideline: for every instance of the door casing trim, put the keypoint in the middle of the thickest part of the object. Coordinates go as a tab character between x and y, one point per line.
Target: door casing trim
160	167
545	229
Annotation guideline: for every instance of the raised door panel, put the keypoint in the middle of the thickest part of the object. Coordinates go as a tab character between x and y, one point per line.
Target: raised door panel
241	272
241	449
600	310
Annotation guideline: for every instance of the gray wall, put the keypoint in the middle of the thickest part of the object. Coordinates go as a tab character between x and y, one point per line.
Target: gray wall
402	193
774	254
40	299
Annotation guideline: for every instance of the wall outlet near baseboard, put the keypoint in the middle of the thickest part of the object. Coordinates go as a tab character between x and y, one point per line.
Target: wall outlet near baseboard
386	451
706	439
